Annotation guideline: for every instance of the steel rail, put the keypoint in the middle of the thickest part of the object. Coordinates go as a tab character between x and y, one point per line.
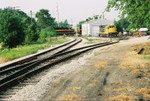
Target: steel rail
31	62
13	79
34	56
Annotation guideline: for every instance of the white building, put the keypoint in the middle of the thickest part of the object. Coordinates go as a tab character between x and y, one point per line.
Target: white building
91	28
143	31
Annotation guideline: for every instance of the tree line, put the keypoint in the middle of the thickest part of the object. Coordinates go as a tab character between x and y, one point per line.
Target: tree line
16	27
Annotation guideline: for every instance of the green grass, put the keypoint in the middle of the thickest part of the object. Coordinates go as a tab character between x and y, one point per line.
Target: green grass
146	57
90	41
21	51
96	53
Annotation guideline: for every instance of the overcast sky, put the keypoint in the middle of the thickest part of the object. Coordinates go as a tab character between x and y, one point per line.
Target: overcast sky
72	10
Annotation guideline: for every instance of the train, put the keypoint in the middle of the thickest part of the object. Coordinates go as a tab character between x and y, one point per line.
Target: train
108	31
65	31
79	29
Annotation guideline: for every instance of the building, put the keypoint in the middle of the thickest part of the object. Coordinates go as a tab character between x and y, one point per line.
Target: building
91	28
143	31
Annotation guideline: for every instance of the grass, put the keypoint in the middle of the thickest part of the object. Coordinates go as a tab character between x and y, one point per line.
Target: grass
72	97
145	92
100	65
124	89
139	63
90	41
121	97
20	51
96	53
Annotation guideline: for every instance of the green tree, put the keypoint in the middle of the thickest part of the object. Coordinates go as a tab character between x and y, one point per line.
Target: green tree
46	33
122	24
66	24
136	11
44	19
31	34
11	29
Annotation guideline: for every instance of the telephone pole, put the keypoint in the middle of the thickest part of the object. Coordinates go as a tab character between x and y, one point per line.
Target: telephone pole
31	13
57	14
14	8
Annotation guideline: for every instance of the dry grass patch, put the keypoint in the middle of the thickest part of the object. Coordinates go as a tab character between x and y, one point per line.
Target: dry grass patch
145	92
56	82
146	47
107	89
124	89
72	97
3	60
100	65
147	96
136	62
119	82
92	85
121	97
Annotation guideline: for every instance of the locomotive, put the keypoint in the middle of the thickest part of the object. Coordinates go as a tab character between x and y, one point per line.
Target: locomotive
79	30
108	31
65	31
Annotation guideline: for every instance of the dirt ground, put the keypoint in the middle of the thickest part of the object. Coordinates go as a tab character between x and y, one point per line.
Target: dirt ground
102	79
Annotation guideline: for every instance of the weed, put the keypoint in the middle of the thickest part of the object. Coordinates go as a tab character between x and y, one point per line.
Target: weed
96	53
20	51
90	41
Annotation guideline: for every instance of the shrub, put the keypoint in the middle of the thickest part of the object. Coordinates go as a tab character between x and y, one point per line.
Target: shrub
47	33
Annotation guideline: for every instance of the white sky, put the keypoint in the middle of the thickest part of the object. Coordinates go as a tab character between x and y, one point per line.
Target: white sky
72	10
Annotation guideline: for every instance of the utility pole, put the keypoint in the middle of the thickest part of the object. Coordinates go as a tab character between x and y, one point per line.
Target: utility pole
14	8
31	13
57	14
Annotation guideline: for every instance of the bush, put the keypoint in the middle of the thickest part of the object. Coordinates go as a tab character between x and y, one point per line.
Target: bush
31	34
46	33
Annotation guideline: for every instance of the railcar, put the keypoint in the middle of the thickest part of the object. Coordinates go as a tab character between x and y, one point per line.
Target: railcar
108	31
65	31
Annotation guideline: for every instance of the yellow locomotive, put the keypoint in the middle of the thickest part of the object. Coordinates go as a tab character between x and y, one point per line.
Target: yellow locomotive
108	31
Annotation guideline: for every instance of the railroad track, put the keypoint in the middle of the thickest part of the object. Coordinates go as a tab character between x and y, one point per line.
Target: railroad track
29	71
56	50
52	51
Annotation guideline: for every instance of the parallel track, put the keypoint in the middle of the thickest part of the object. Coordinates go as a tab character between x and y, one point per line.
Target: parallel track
38	56
43	64
10	69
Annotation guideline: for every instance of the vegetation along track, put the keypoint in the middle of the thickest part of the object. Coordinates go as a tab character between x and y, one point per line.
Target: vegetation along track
16	65
43	64
33	58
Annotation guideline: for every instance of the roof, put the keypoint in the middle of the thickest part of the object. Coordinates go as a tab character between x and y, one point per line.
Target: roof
100	22
143	29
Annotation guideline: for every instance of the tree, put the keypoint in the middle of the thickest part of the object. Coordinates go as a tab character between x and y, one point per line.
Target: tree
47	33
122	24
44	19
11	29
136	11
31	34
66	24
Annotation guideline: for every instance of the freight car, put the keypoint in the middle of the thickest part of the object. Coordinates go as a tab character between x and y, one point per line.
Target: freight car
108	31
65	31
